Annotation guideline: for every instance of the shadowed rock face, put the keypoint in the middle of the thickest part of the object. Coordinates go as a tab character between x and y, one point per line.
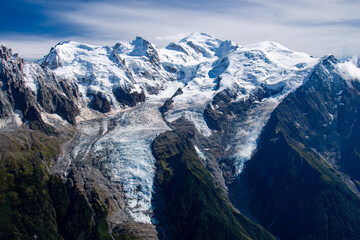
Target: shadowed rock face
52	101
128	98
53	95
294	184
188	202
99	103
226	107
323	115
15	94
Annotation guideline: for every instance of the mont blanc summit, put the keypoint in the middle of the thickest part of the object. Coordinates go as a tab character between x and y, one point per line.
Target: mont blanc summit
202	139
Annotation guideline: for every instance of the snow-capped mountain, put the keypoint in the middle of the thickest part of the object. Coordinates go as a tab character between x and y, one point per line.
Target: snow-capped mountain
201	66
118	112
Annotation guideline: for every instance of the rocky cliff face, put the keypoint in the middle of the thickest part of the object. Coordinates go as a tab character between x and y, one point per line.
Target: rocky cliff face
171	143
189	204
298	170
29	91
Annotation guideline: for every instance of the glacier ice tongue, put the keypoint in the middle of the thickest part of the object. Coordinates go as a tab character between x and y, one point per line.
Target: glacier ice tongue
123	141
247	131
130	156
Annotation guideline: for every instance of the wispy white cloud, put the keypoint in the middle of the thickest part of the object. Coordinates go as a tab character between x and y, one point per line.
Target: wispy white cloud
316	27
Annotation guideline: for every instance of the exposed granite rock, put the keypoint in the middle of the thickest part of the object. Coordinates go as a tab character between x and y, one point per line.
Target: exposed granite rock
166	106
127	98
54	102
168	103
53	96
221	110
223	115
99	103
15	92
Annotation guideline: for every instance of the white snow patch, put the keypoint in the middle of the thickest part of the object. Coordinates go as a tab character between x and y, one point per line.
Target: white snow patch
198	119
244	141
53	119
200	153
3	123
30	71
18	116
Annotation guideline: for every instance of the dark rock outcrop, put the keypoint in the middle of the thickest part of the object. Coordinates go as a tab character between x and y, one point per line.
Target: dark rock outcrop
223	108
99	103
54	102
127	98
168	102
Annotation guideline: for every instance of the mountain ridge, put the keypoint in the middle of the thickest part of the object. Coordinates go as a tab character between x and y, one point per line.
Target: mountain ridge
111	103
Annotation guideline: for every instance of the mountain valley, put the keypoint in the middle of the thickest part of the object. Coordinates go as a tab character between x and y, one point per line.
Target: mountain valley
202	139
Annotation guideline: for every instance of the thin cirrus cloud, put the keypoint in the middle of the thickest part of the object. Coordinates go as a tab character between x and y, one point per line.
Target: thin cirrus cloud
316	27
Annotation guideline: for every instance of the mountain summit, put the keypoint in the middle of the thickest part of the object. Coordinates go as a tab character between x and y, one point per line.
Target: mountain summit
202	139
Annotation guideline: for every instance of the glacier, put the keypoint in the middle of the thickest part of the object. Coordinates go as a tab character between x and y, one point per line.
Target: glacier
201	66
126	147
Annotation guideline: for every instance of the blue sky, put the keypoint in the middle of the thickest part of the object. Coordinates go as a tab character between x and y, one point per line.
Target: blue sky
32	27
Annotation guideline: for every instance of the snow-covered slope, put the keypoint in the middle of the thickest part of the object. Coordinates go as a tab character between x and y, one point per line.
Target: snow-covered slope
94	69
193	60
208	66
201	65
132	67
265	65
211	66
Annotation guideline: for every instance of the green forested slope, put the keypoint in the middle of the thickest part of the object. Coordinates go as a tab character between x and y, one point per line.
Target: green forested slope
35	204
